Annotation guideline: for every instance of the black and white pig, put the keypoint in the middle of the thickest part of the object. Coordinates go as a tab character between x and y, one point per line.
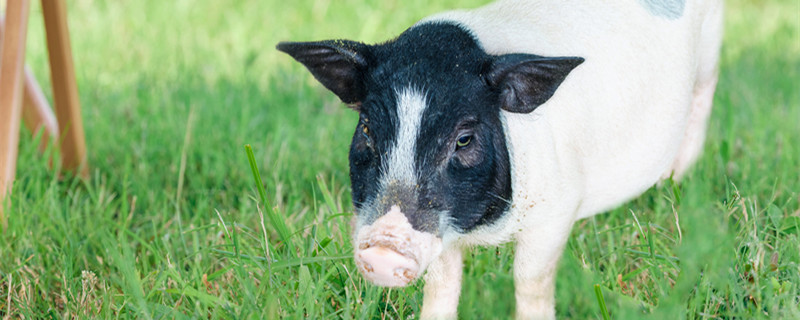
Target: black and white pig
510	122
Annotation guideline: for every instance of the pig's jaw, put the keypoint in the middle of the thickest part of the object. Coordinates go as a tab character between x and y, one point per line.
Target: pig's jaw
391	253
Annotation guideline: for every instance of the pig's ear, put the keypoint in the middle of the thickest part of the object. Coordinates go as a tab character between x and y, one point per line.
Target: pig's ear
526	81
338	64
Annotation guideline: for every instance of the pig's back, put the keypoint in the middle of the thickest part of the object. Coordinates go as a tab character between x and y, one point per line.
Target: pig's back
618	120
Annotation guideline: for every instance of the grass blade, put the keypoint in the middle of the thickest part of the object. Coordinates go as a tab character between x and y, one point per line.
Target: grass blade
601	302
286	263
277	222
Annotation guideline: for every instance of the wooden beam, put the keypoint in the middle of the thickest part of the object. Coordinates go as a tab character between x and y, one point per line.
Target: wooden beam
12	59
36	111
65	89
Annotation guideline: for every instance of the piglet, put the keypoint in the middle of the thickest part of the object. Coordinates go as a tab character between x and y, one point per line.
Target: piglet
510	122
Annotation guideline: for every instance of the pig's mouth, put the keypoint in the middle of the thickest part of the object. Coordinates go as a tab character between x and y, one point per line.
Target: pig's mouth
391	253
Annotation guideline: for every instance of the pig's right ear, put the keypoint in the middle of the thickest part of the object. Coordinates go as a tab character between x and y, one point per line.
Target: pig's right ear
340	65
526	81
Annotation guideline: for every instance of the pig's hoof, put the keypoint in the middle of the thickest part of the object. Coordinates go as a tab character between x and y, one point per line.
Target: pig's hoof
386	267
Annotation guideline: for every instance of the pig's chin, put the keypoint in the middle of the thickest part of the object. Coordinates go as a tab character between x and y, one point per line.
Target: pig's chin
390	253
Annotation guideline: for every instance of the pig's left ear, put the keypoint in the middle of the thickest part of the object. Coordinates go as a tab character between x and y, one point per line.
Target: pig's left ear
526	81
338	64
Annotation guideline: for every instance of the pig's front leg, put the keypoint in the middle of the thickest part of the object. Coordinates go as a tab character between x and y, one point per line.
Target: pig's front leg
537	253
443	285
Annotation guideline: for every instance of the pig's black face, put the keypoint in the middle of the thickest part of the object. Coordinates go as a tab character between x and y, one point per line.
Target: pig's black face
430	138
429	141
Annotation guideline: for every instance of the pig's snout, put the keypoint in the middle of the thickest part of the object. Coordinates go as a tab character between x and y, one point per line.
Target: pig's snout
391	253
386	267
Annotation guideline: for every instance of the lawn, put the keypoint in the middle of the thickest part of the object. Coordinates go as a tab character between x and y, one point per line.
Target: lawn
170	223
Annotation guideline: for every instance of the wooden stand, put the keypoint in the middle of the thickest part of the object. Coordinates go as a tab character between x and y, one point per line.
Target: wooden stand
21	96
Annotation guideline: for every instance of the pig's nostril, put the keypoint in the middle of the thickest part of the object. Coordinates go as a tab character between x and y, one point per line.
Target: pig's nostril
406	274
368	267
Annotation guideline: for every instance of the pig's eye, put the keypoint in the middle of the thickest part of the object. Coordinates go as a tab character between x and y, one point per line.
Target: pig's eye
463	141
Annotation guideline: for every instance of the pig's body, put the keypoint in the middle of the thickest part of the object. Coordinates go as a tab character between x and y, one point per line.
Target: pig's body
633	112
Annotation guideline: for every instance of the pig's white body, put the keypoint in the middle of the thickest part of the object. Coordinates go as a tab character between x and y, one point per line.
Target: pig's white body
634	112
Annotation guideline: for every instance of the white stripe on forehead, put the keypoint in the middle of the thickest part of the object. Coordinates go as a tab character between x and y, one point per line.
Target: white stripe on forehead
411	105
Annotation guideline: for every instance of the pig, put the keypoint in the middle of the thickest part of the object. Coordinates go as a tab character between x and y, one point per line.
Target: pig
509	122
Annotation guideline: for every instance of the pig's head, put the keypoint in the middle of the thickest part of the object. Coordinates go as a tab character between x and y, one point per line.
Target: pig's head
428	160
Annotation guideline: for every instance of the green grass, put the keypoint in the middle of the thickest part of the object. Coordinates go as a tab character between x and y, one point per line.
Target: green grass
170	224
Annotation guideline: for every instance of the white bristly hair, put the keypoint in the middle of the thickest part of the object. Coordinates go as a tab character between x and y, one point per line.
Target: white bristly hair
411	104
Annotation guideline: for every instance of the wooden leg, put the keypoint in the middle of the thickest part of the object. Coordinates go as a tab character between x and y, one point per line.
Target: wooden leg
12	60
65	89
36	111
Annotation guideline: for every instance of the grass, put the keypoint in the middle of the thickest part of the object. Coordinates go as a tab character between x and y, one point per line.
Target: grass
171	225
